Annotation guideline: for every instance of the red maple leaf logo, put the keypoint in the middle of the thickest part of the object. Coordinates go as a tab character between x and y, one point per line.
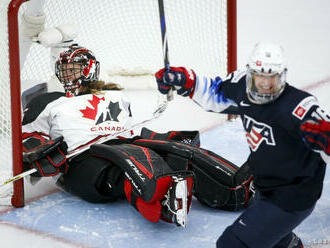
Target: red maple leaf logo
90	113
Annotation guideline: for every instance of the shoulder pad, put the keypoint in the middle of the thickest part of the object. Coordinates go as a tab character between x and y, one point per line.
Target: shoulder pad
304	106
38	104
236	76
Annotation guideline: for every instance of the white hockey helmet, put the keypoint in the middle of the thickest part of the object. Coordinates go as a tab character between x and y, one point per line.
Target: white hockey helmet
75	67
266	73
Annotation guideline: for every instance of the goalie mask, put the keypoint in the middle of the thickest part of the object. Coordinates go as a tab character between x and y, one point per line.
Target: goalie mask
266	73
76	67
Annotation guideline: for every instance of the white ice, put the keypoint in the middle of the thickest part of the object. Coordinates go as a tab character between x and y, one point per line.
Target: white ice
60	220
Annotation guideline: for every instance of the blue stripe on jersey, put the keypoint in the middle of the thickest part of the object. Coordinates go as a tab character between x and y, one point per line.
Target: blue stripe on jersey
197	84
215	90
205	85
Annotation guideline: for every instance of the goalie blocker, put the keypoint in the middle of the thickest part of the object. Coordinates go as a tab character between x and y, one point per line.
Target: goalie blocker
44	154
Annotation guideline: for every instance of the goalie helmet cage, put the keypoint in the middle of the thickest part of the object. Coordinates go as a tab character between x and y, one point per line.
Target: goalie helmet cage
201	35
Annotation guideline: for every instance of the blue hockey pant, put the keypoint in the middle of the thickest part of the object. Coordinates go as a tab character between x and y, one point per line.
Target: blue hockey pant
262	225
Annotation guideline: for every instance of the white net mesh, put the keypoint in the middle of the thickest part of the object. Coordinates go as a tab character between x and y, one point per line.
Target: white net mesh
5	110
126	38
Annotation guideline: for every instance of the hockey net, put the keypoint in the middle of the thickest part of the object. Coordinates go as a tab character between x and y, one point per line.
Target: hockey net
125	37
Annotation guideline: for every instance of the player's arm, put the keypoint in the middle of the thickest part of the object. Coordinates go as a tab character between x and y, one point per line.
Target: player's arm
39	150
206	92
316	135
32	30
46	155
315	127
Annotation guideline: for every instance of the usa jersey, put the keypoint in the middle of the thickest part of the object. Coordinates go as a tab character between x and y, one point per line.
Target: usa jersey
80	119
285	169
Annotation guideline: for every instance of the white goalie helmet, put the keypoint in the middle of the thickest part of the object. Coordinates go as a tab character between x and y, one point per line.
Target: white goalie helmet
266	73
76	67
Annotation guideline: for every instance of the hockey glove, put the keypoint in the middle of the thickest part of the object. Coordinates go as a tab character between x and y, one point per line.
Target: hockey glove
182	79
32	24
45	155
317	135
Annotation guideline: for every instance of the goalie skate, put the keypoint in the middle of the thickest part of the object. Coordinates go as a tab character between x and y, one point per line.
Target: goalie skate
175	203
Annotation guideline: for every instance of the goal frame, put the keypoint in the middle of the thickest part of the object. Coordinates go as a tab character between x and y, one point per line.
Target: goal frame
15	83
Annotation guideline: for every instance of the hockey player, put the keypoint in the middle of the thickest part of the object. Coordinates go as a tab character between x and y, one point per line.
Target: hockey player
55	123
289	138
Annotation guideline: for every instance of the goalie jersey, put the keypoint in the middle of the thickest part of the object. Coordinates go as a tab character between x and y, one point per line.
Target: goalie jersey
80	119
279	157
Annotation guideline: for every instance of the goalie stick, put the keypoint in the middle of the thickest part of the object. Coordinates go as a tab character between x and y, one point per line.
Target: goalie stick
160	109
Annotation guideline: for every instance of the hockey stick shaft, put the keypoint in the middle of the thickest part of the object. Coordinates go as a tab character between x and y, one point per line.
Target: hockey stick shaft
161	108
164	42
17	177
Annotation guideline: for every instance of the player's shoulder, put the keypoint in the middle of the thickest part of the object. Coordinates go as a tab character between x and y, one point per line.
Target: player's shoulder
42	100
113	92
296	103
234	85
236	76
37	104
116	94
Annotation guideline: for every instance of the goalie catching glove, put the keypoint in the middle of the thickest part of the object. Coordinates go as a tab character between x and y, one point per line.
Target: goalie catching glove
317	135
45	155
182	79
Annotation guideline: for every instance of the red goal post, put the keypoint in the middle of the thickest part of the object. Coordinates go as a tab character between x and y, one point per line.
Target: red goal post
201	34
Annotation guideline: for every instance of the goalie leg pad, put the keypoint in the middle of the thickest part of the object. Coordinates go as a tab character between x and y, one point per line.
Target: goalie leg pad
142	166
150	210
186	137
219	183
93	179
177	155
171	207
220	187
149	178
